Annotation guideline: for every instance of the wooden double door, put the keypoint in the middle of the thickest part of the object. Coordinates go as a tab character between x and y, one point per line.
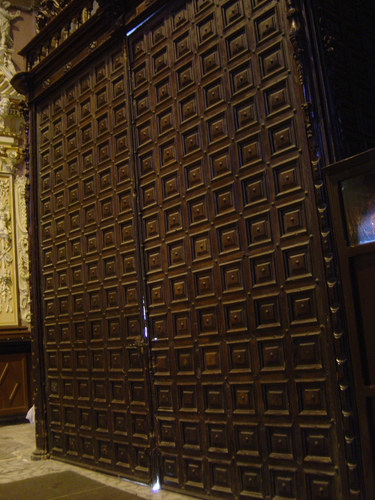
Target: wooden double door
183	302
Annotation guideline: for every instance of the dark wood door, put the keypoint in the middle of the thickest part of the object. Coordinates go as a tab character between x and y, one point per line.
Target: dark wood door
179	183
93	329
234	295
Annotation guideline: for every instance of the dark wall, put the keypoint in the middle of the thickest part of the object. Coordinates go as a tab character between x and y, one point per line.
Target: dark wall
346	41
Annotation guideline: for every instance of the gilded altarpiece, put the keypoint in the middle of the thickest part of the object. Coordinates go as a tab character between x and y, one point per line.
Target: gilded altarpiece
14	261
14	247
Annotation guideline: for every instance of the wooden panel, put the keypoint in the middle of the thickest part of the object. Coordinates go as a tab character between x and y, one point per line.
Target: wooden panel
98	389
14	384
242	402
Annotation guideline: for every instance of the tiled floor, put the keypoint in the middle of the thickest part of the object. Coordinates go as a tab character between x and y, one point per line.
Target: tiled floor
17	445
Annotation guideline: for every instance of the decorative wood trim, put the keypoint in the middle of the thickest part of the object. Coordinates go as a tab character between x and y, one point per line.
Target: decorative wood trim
298	39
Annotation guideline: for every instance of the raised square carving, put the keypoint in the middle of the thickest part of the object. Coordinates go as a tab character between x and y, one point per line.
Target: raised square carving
282	137
224	201
149	195
204	283
271	355
176	254
220	163
266	26
251	481
171	185
140	75
206	29
191	141
263	270
228	239
187	397
302	308
217	128
283	484
185	361
167	153
179	288
158	328
191	438
272	61
275	398
173	219
250	151
210	61
165	121
311	398
243	400
277	98
292	219
181	324
164	397
151	227
259	229
182	46
160	61
118	87
141	103
307	351
239	357
241	78
210	359
188	108
214	400
207	321
287	178
101	98
162	91
317	444
185	77
236	318
180	17
255	189
232	12
232	277
197	210
267	312
246	439
161	361
280	442
237	44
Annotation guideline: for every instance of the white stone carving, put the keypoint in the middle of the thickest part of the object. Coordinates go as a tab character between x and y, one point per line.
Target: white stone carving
6	250
22	247
6	40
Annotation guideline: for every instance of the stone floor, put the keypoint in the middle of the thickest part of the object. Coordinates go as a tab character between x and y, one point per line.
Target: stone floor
17	445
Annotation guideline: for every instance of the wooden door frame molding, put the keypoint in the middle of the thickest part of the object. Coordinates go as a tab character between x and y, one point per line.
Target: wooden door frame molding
319	124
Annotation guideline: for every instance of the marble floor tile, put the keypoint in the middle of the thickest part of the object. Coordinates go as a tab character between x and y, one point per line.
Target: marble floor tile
17	445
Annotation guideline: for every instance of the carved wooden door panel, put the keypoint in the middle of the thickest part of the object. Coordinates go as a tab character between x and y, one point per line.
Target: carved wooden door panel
98	387
233	275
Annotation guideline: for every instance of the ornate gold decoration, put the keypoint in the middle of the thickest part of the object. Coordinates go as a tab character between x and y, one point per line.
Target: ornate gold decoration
14	272
77	16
